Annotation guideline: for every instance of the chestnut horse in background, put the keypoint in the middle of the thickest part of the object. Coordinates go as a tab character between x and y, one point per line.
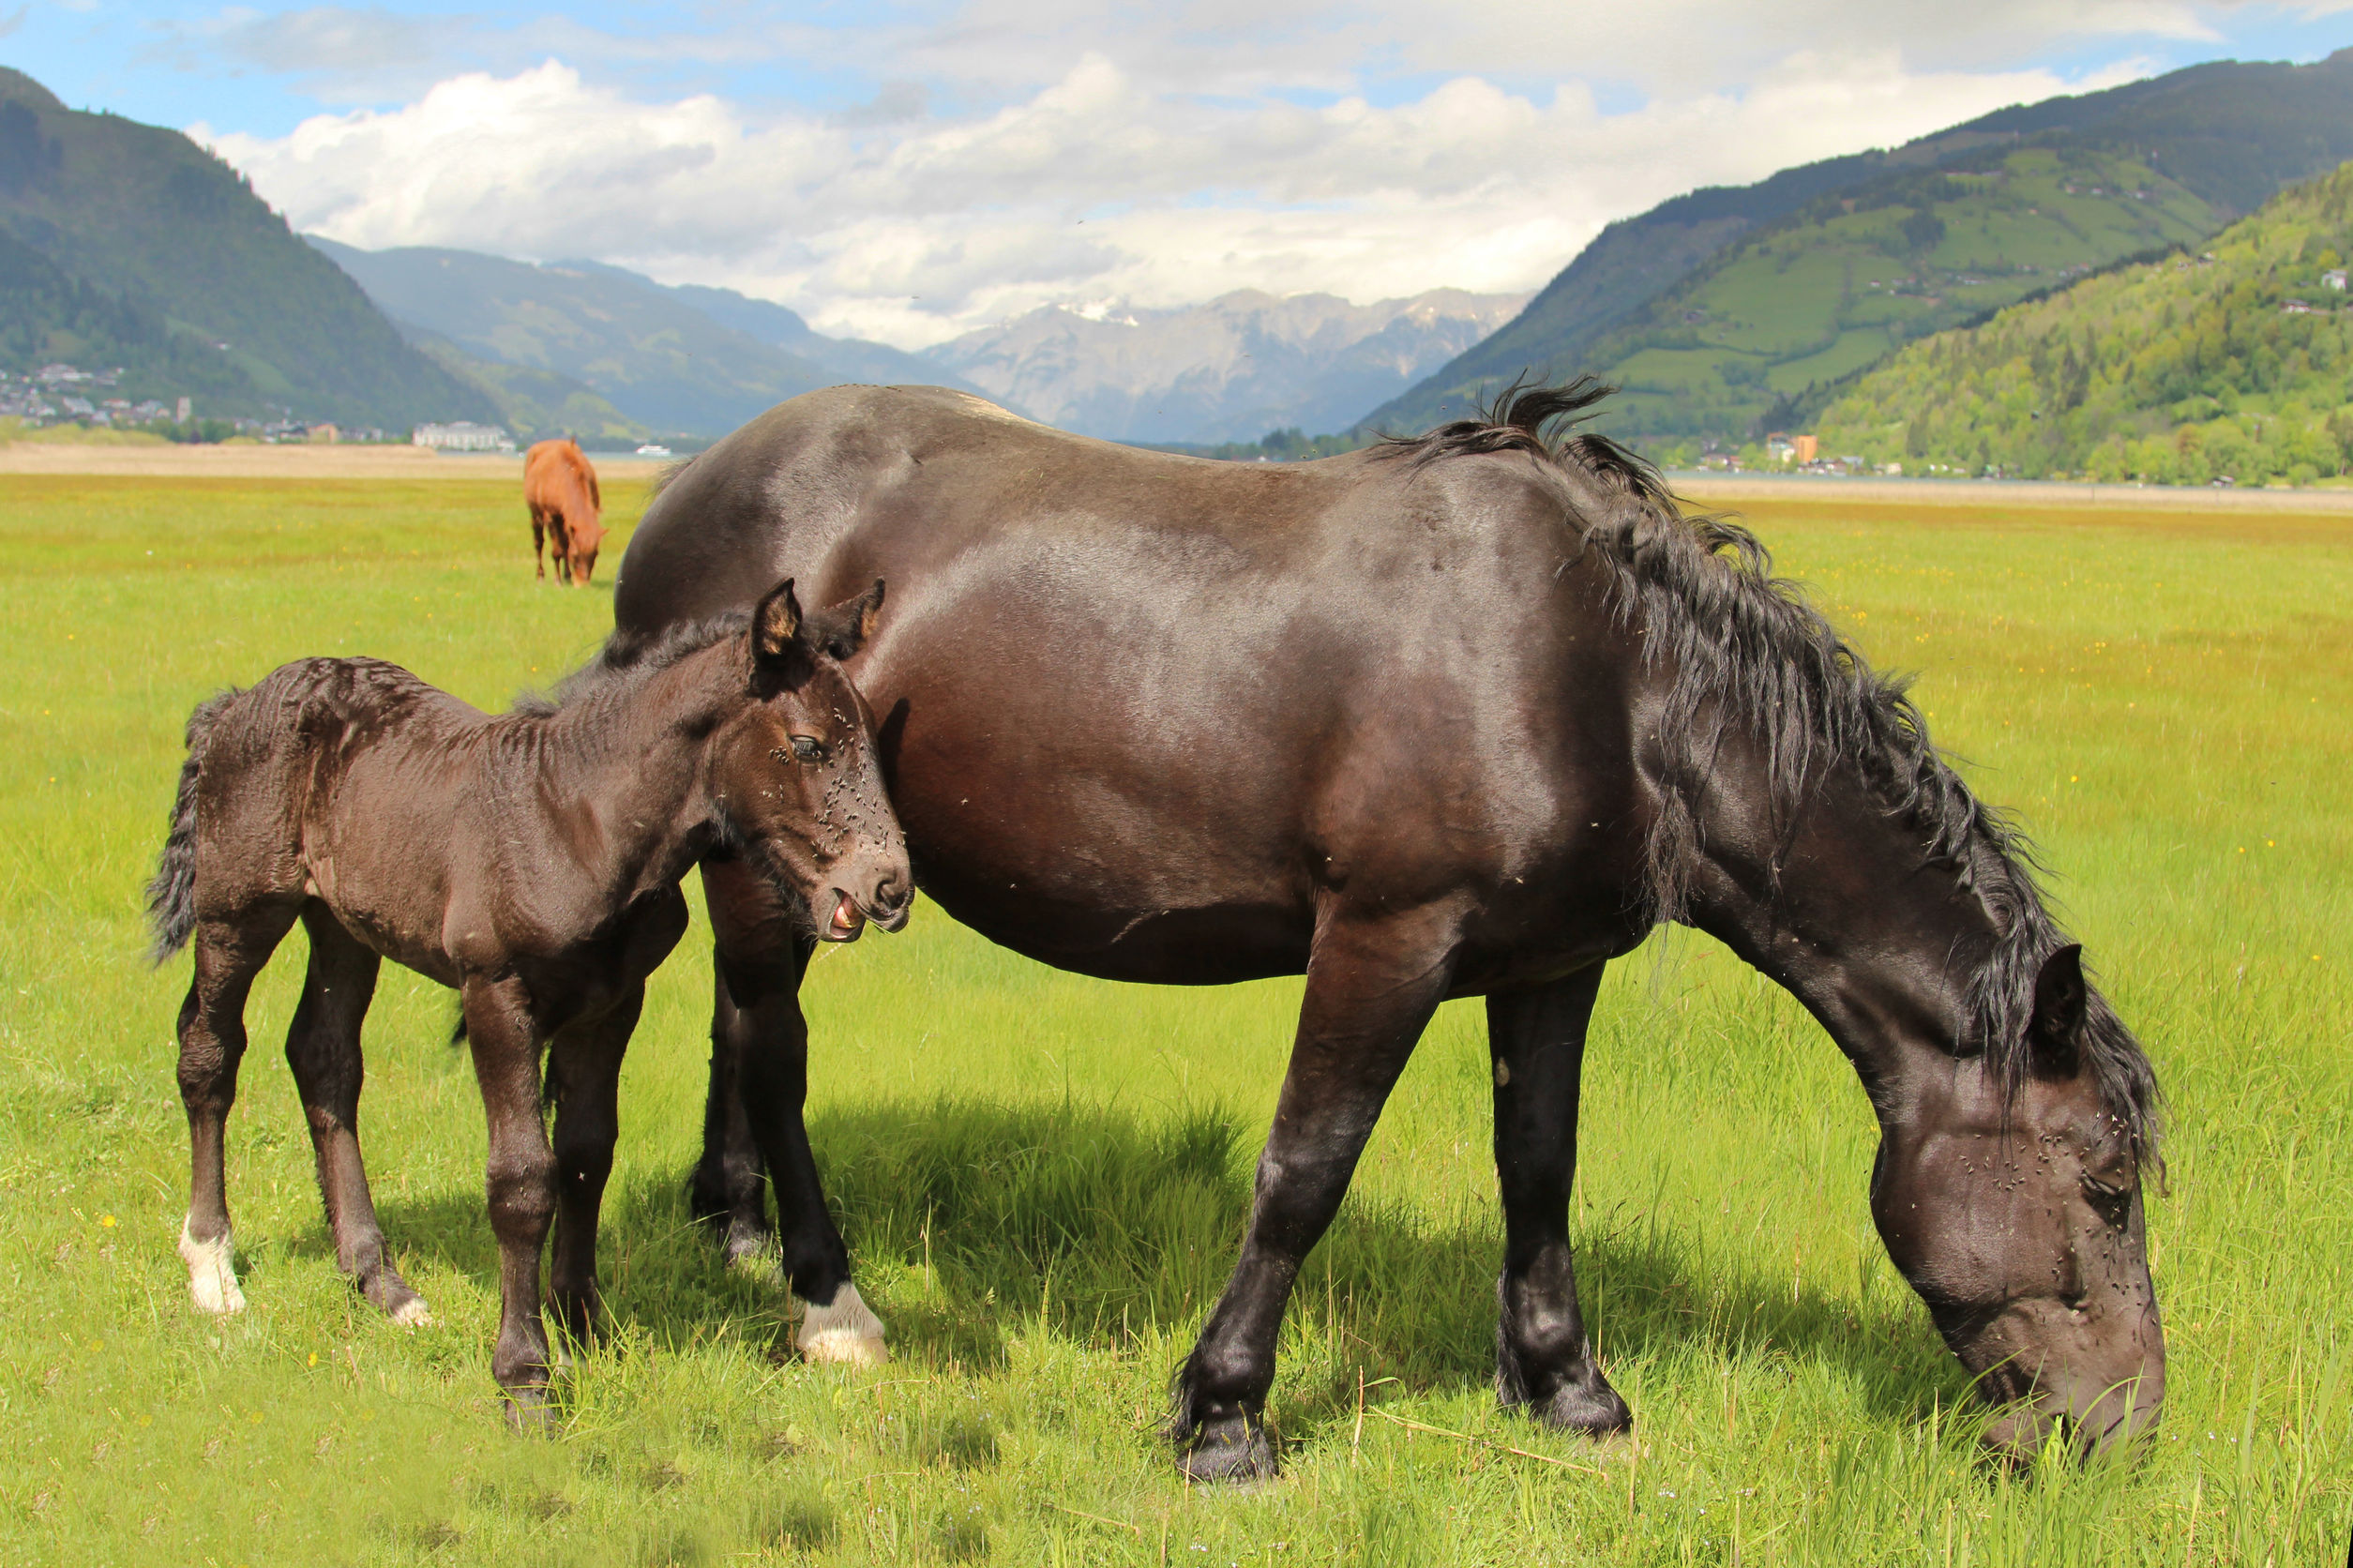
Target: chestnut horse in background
566	509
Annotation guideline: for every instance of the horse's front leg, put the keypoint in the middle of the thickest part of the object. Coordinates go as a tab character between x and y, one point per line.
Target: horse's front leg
539	545
760	1052
518	1180
1543	1357
1372	984
584	1075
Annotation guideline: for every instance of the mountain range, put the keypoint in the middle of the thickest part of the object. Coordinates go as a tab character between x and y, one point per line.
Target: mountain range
2233	361
1726	309
125	245
1233	368
606	352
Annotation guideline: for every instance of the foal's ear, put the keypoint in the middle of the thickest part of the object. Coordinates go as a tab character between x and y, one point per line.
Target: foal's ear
2061	997
777	654
852	622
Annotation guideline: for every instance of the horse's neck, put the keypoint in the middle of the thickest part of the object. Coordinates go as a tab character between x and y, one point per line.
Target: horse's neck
634	762
1843	911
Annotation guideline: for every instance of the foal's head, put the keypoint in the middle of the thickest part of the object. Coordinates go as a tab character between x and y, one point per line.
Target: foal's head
796	772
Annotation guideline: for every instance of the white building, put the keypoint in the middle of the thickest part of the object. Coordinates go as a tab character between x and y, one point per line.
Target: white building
463	436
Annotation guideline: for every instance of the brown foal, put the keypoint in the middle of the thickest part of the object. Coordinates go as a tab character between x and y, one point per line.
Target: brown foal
532	861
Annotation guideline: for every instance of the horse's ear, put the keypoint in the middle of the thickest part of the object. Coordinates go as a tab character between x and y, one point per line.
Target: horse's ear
777	654
2061	1000
852	621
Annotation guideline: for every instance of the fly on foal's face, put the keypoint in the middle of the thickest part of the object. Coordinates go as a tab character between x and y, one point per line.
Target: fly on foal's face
2017	1218
799	775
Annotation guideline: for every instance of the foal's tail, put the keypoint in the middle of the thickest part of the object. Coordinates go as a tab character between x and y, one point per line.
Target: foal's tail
172	897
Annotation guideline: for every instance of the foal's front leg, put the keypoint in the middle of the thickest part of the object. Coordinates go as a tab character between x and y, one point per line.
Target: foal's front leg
758	1083
519	1180
584	1074
1543	1357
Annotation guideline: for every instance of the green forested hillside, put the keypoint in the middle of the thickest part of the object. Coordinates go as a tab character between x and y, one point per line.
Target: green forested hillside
1719	310
127	245
1852	279
2237	362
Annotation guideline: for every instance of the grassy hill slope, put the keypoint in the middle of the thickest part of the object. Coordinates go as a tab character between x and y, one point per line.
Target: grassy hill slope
2180	370
129	244
1709	309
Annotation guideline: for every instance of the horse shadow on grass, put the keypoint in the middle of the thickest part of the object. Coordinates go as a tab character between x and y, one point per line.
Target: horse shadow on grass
970	1220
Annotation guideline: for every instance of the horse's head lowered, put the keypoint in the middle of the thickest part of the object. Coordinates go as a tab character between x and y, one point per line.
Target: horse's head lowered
794	771
582	538
2014	1209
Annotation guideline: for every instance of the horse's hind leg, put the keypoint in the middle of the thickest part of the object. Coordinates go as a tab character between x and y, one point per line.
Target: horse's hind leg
323	1047
228	955
1543	1357
584	1076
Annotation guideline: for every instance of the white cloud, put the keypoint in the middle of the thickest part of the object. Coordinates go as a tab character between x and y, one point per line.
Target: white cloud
1162	185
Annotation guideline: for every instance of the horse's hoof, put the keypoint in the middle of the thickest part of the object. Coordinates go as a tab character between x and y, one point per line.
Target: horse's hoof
413	1314
843	1332
1230	1452
211	1273
527	1409
1591	1409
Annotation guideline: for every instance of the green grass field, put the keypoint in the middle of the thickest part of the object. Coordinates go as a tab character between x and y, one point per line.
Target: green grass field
1043	1178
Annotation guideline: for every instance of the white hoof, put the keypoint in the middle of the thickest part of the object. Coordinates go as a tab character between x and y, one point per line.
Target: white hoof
211	1273
845	1334
413	1314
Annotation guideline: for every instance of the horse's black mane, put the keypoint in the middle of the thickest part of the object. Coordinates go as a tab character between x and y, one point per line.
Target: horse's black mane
1746	647
629	659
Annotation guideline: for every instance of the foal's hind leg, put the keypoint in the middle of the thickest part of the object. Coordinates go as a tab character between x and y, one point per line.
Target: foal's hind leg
1543	1357
322	1049
584	1075
228	955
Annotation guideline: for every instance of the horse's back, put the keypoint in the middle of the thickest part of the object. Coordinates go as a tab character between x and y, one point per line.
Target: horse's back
842	480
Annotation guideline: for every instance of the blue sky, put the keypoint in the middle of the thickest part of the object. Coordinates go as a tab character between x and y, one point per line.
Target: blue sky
910	170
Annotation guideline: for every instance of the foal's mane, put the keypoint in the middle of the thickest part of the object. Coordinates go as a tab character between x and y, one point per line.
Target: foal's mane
624	661
1746	648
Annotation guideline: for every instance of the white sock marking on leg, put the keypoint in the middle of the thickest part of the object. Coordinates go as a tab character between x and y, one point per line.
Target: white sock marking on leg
212	1274
845	1331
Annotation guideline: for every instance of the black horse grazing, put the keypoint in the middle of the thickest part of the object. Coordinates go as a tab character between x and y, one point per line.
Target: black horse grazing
532	860
1460	716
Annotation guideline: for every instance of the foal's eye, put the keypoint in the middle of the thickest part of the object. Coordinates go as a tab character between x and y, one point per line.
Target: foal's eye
808	749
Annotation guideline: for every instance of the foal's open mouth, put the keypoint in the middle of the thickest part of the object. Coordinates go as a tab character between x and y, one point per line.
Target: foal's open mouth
849	920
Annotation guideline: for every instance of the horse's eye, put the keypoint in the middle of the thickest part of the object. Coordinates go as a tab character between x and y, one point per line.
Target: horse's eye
808	749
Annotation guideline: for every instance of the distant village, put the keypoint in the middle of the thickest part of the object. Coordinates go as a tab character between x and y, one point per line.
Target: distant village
62	394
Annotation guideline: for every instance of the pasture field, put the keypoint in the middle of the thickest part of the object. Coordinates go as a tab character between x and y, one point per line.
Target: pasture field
1043	1178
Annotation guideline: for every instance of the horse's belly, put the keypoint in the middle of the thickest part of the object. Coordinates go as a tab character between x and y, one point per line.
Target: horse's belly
1203	945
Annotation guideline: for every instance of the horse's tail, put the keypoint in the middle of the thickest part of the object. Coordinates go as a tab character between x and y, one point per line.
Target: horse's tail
172	897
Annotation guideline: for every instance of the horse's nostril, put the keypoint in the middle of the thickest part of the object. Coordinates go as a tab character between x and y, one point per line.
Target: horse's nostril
891	895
